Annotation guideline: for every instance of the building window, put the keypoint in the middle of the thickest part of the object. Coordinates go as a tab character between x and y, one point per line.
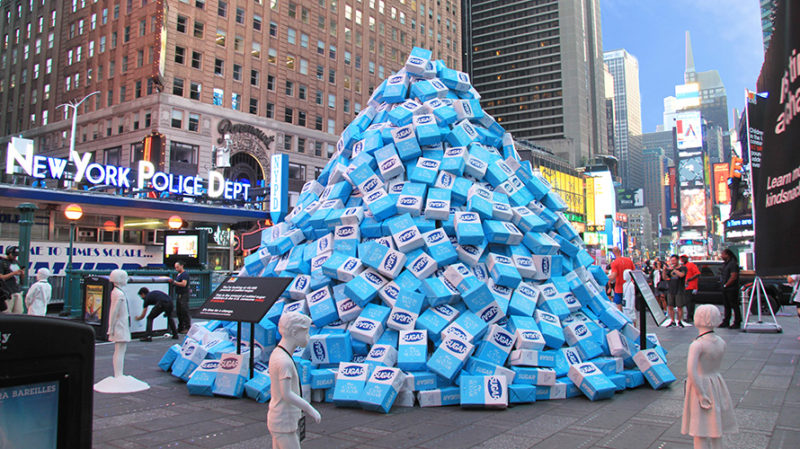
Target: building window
290	88
287	142
180	55
237	72
301	145
257	22
270	82
302	92
301	118
236	102
318	124
177	118
199	27
194	91
273	29
197	59
297	171
221	34
181	26
194	122
288	115
318	145
219	67
254	77
222	8
254	106
240	15
219	96
332	101
270	110
183	158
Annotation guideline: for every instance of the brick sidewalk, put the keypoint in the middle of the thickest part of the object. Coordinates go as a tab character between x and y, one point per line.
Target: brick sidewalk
760	369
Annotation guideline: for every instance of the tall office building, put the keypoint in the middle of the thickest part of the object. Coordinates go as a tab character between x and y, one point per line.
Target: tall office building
624	67
538	66
767	20
608	89
273	76
656	165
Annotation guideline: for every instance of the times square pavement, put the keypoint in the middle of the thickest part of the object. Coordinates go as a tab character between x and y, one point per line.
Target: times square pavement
761	371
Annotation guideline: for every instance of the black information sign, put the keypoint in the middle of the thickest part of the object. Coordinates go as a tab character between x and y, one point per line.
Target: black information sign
243	299
649	297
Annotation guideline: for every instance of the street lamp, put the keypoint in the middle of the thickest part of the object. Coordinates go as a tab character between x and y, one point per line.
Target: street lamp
175	222
73	213
74	105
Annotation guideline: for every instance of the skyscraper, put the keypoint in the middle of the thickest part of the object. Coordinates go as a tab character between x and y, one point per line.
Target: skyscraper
624	67
656	165
767	18
273	76
538	66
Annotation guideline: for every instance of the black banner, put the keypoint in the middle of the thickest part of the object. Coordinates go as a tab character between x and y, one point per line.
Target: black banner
245	299
751	153
777	202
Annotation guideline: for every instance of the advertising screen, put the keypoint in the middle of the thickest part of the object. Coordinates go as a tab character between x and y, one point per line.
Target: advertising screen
688	128
181	245
93	306
605	202
29	415
693	208
569	187
721	193
687	96
690	172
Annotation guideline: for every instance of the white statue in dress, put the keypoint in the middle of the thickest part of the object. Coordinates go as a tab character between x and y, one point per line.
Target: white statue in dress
707	406
287	404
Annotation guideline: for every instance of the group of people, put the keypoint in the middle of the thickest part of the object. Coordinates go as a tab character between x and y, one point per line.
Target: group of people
39	293
675	284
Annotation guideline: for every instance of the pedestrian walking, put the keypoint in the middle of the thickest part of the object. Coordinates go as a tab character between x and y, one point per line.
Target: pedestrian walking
676	296
794	281
618	267
9	281
692	274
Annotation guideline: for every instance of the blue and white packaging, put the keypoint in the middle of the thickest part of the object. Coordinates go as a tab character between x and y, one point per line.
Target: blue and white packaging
618	344
468	228
468	327
529	357
439	247
323	379
420	264
424	171
591	381
369	326
364	287
542	265
381	389
389	163
350	383
480	367
496	345
201	382
232	373
436	319
524	300
654	368
502	270
439	397
258	387
521	394
412	350
411	198
534	376
565	357
426	129
437	205
420	381
484	391
322	307
330	348
633	378
550	326
382	355
406	310
405	141
396	88
169	357
527	333
192	354
405	233
578	335
449	357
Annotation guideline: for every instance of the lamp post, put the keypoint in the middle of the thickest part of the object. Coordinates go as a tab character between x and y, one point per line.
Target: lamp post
74	105
73	213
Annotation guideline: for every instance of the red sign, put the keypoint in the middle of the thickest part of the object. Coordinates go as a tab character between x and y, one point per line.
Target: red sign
622	218
721	193
673	191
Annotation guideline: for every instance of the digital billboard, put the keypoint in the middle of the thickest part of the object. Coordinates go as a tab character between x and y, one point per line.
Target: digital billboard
605	202
690	172
568	186
687	96
721	193
693	208
688	128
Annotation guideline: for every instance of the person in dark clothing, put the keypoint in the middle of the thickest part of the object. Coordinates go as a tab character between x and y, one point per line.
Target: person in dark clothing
181	284
729	278
161	303
676	297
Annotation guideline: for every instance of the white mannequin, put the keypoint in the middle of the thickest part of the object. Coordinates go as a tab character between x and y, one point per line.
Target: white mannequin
39	294
707	406
629	295
120	333
286	404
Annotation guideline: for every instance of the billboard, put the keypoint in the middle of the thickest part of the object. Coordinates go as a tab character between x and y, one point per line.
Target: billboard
721	193
689	131
605	202
776	197
690	172
693	208
687	96
568	186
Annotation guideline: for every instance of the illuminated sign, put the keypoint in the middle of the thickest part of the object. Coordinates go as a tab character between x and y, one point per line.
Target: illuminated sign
20	153
605	201
688	128
569	187
693	208
279	187
721	193
687	96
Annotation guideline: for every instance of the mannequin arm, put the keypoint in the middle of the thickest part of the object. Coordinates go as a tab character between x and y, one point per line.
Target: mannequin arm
297	401
113	312
694	375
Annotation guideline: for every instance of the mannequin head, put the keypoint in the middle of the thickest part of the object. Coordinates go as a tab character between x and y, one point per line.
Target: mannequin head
42	274
707	317
119	277
293	328
627	275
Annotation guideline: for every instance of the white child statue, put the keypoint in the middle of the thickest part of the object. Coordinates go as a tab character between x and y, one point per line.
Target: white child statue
707	406
38	295
287	404
119	332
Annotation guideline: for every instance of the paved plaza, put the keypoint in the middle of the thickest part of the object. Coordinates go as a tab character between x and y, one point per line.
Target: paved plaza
761	371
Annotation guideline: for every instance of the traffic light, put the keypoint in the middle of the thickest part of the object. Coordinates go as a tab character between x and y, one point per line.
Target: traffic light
736	167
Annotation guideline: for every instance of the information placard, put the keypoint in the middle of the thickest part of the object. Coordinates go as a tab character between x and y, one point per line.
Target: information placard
649	297
245	299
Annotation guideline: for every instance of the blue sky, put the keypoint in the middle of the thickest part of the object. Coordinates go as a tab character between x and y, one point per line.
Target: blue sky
726	36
